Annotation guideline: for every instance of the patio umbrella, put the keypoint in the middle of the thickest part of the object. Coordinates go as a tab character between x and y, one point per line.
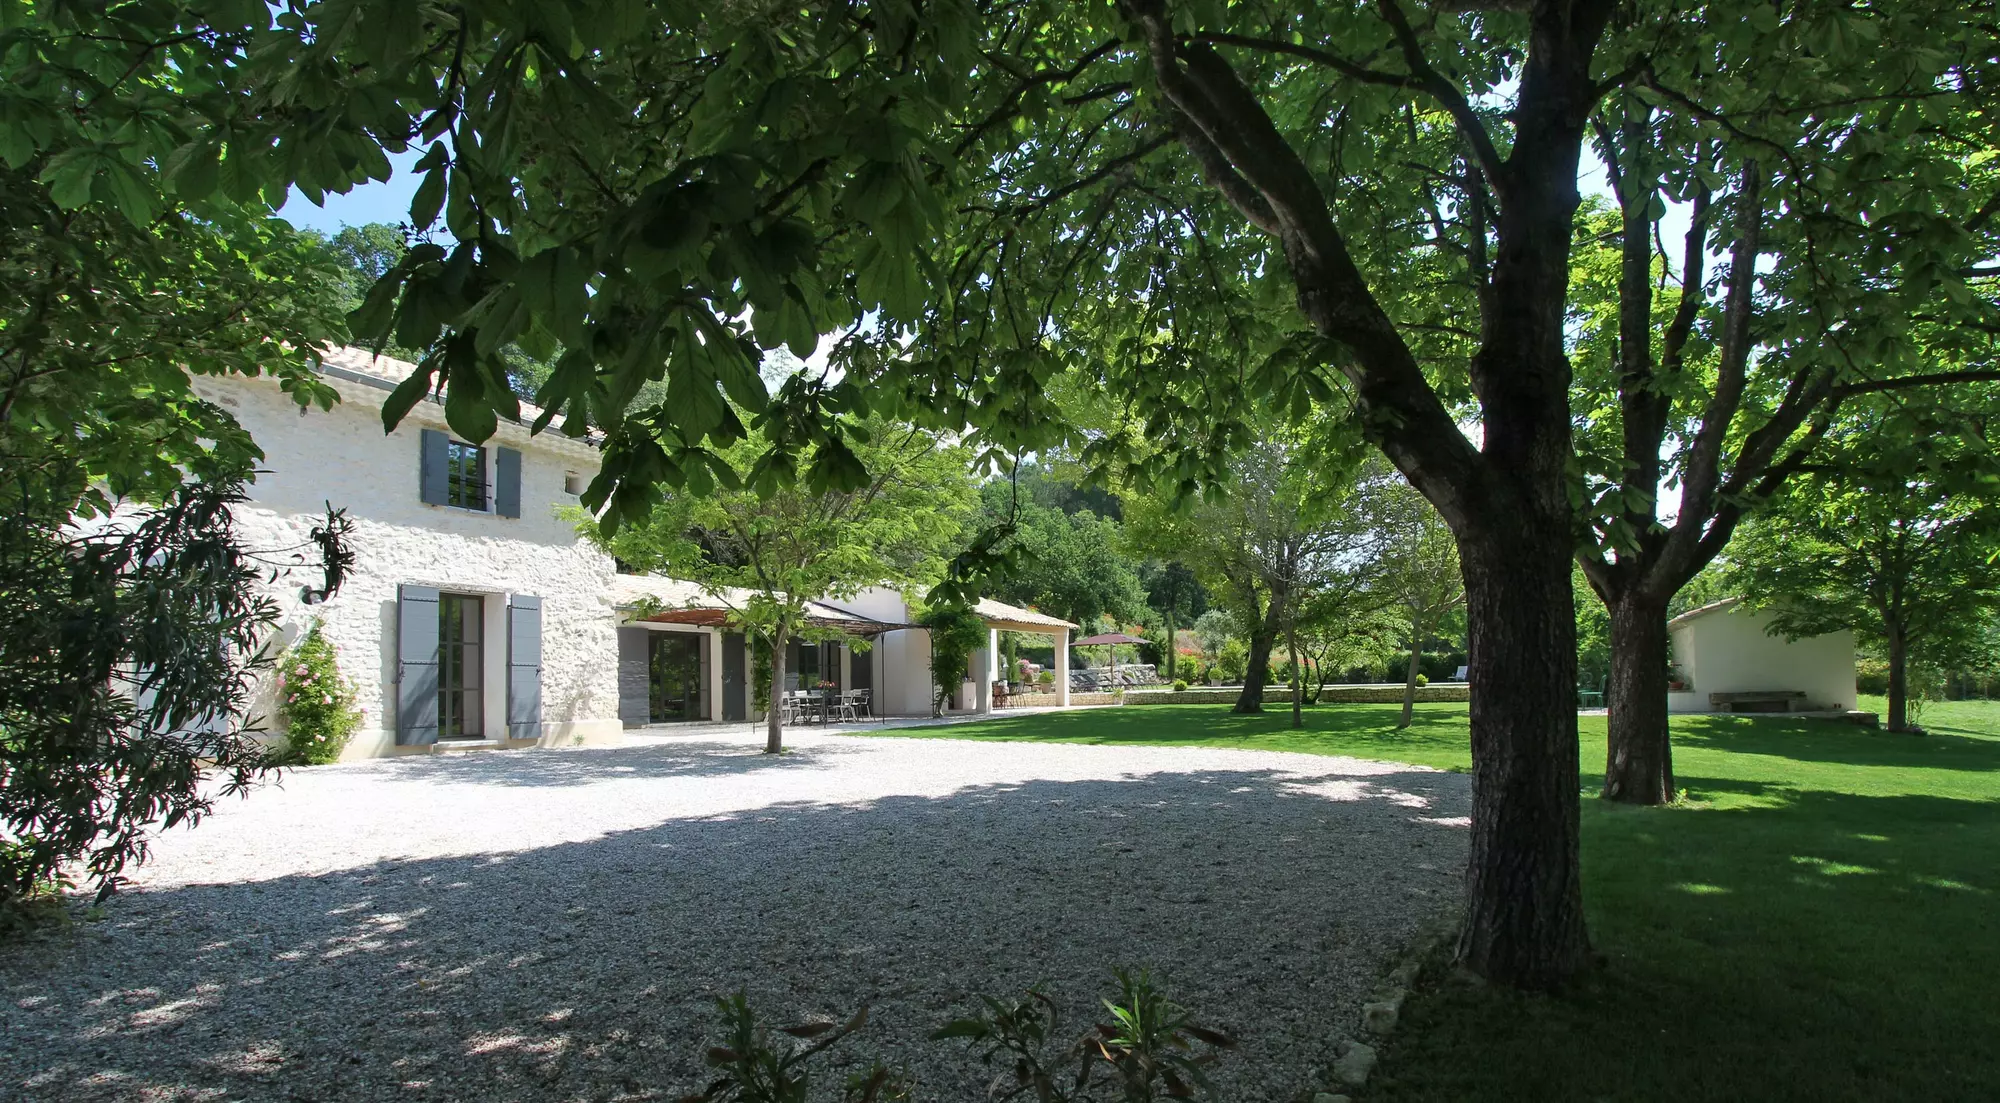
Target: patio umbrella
1111	640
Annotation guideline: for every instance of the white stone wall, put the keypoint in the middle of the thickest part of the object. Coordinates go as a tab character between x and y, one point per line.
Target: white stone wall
902	658
343	456
1729	651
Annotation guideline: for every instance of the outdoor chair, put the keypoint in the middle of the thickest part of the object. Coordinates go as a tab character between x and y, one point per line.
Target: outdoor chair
858	705
800	707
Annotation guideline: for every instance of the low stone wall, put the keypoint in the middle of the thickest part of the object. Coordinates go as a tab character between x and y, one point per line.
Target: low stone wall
1203	695
1378	694
1049	700
1392	693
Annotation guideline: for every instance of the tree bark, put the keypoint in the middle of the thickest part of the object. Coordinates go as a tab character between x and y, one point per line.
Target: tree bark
1524	901
1639	761
774	714
1899	675
1410	680
1259	670
1506	500
1173	646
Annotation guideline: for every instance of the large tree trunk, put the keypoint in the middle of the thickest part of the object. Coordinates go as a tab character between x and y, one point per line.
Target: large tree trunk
1258	673
1410	679
774	715
1524	901
1899	675
1639	759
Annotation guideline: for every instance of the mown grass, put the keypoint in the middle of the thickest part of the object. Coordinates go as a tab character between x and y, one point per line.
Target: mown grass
1818	920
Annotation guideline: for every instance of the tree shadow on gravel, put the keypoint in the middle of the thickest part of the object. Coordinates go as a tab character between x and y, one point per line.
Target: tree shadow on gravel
589	765
1267	901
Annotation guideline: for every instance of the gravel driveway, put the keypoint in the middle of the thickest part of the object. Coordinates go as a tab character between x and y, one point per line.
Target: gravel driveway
557	924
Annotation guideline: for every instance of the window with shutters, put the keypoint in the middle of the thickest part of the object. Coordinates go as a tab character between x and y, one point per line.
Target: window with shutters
461	622
465	476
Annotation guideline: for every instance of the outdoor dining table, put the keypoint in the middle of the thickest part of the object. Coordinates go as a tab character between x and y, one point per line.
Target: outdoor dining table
820	704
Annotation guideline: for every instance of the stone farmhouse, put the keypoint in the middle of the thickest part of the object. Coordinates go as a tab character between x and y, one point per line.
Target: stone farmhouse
476	617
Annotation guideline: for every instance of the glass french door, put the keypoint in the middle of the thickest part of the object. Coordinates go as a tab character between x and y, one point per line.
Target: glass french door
461	621
677	680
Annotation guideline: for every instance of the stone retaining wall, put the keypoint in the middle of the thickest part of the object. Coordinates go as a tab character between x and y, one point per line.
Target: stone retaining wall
1049	701
1377	694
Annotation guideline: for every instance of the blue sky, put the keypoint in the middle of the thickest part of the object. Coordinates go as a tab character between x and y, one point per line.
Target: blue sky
376	201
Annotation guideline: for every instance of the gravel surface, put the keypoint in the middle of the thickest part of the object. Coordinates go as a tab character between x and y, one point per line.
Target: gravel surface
557	924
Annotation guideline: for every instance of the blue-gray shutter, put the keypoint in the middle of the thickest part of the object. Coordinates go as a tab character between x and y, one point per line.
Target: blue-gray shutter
635	676
416	665
433	480
735	669
524	667
507	483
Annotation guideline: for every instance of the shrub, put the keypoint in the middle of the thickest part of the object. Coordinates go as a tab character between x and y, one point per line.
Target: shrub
1046	677
1233	661
34	907
1146	1052
956	631
1180	685
125	683
1423	680
1871	677
315	702
755	1066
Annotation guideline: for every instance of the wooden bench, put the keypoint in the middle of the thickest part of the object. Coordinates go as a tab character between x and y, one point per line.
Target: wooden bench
1762	700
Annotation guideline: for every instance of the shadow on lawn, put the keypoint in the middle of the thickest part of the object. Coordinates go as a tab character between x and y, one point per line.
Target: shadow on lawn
1814	946
1835	741
588	969
1215	724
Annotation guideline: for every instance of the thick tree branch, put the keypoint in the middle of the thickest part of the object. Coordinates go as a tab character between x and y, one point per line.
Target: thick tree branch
1317	56
1929	379
1673	345
1704	468
1251	163
1450	95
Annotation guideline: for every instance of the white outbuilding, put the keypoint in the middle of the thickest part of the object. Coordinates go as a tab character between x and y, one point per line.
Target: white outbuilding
1727	660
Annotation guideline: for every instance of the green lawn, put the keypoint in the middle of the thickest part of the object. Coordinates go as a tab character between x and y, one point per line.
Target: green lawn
1818	921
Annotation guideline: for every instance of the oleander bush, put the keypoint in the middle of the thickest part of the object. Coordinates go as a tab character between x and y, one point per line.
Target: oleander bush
1148	1049
315	702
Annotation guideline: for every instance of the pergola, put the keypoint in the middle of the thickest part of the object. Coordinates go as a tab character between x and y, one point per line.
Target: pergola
1002	617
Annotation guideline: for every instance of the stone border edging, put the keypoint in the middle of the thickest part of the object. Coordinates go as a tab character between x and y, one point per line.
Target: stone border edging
1354	1060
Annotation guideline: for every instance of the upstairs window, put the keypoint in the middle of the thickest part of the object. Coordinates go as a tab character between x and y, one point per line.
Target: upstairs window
453	473
465	476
